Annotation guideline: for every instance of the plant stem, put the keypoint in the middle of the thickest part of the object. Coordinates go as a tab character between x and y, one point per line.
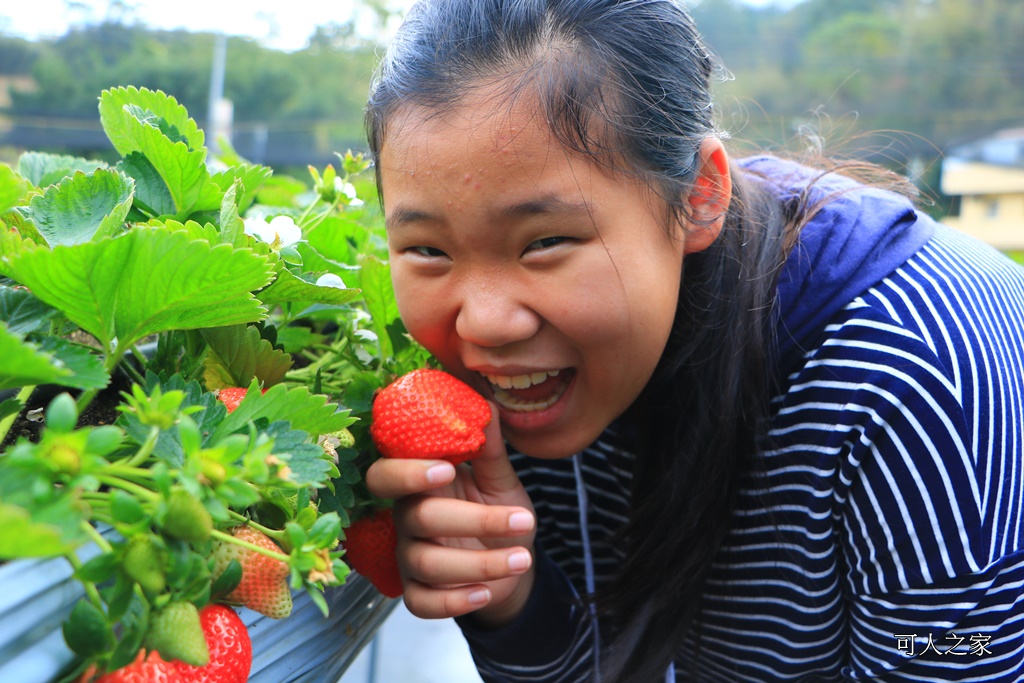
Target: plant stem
89	586
89	394
228	538
146	449
272	533
96	537
22	398
140	491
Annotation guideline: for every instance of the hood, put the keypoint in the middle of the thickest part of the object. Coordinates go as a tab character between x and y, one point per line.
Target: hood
855	240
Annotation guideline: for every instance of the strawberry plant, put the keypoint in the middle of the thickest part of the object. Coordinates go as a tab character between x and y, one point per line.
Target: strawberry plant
189	351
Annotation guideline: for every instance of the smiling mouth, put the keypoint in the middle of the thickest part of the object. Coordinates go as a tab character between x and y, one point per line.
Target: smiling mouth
530	393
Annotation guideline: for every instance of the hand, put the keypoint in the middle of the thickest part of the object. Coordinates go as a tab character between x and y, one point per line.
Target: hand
465	534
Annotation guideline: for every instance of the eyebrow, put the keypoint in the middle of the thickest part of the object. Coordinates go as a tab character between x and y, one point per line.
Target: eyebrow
550	205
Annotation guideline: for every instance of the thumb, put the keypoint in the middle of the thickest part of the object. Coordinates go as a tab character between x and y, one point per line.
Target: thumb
492	471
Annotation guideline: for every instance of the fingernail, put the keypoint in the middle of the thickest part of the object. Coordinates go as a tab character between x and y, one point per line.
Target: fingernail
520	521
439	474
480	597
519	561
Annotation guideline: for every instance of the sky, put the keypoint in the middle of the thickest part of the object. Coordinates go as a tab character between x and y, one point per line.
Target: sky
281	25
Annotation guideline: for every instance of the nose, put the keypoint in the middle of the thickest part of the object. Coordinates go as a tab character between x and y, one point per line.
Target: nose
495	313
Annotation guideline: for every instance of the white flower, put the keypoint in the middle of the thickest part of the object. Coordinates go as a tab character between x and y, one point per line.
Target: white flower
330	280
349	190
280	232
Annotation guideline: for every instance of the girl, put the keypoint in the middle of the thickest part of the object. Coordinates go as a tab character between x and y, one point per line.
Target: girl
766	422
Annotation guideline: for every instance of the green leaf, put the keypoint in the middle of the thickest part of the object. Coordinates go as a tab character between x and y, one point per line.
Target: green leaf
11	406
231	226
23	312
228	579
24	364
304	411
86	631
83	207
12	187
147	281
153	106
290	288
155	125
253	177
125	508
21	536
308	462
99	568
375	281
237	355
43	169
87	371
325	530
151	193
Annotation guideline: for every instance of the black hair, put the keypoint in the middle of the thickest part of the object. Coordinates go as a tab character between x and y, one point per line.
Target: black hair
628	84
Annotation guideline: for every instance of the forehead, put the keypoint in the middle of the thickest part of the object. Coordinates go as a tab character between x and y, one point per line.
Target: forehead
482	121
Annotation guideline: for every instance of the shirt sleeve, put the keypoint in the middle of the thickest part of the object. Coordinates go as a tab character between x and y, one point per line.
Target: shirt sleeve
935	585
552	640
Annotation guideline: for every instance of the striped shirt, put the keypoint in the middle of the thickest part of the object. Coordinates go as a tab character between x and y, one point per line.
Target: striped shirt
880	537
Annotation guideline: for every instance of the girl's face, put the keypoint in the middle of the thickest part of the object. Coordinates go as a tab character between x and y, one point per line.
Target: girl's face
533	274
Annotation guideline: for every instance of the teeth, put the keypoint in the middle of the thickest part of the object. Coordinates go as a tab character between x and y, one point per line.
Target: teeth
503	383
520	381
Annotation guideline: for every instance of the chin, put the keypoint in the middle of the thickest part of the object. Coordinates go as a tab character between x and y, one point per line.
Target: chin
548	447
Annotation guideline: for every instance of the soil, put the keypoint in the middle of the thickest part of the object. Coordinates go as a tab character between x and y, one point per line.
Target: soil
102	410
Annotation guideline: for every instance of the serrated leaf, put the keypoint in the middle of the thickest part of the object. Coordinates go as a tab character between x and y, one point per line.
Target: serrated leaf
231	226
237	355
308	463
155	125
43	169
375	282
87	371
289	288
12	187
83	207
304	411
154	106
23	312
151	193
252	177
147	281
24	364
228	579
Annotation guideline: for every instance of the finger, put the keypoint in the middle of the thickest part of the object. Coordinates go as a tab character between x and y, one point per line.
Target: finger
395	478
427	602
440	565
492	471
432	517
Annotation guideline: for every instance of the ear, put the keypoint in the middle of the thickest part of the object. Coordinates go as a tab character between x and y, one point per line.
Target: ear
709	197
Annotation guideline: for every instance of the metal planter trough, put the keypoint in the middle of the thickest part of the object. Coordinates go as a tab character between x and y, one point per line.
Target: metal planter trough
36	597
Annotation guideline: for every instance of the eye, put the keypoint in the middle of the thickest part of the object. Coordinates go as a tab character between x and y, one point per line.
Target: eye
545	243
426	252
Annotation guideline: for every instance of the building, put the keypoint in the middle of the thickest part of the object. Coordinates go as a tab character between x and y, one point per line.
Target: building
987	177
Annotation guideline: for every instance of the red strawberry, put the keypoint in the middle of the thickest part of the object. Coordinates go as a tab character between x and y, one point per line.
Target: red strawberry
264	584
370	550
145	669
232	396
429	414
230	648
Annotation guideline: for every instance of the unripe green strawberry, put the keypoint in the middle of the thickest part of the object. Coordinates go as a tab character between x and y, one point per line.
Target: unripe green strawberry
187	518
370	550
175	632
230	648
428	414
264	584
143	562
